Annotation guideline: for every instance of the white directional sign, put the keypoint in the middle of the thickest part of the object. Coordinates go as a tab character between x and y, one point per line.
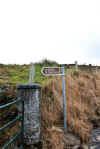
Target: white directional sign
54	71
48	71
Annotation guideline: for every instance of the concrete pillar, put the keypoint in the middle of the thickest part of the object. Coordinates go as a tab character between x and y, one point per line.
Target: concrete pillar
31	96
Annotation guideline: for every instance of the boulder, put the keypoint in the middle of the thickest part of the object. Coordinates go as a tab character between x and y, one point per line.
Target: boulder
72	141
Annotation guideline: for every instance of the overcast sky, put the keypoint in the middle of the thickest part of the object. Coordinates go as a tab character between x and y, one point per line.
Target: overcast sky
60	30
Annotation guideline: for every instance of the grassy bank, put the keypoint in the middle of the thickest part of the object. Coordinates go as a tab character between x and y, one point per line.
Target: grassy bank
83	103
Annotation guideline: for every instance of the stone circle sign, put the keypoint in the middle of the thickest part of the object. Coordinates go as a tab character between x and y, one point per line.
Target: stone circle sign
47	71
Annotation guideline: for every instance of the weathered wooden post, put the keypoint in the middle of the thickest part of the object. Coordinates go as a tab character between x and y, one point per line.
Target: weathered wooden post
31	95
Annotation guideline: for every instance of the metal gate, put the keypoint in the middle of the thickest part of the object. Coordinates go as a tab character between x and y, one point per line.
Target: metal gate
18	118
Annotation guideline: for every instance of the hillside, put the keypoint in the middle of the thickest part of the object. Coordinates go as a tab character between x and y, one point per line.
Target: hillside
83	103
18	74
83	107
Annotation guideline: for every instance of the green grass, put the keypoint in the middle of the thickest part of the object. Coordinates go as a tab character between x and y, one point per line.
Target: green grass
19	74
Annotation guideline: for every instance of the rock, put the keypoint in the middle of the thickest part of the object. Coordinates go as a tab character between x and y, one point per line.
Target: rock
71	140
95	136
94	147
98	138
84	146
95	139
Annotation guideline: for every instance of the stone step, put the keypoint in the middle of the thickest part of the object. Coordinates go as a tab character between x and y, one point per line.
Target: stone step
95	139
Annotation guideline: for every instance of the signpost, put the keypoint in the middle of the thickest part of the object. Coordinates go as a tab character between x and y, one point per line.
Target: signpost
32	74
54	71
48	71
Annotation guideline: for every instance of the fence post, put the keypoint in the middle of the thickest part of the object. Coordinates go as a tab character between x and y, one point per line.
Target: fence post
31	95
76	65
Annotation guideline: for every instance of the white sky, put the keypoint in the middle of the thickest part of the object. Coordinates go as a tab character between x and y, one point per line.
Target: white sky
60	30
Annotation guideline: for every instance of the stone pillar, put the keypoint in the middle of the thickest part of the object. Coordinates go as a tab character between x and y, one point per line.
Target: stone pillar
31	96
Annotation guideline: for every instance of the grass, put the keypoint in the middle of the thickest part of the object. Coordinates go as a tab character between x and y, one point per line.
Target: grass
82	106
19	74
83	92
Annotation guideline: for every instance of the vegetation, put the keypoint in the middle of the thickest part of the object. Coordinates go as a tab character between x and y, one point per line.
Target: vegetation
19	74
83	94
83	107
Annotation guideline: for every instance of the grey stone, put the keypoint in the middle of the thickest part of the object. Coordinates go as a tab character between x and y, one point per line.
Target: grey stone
71	139
31	96
95	139
94	147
